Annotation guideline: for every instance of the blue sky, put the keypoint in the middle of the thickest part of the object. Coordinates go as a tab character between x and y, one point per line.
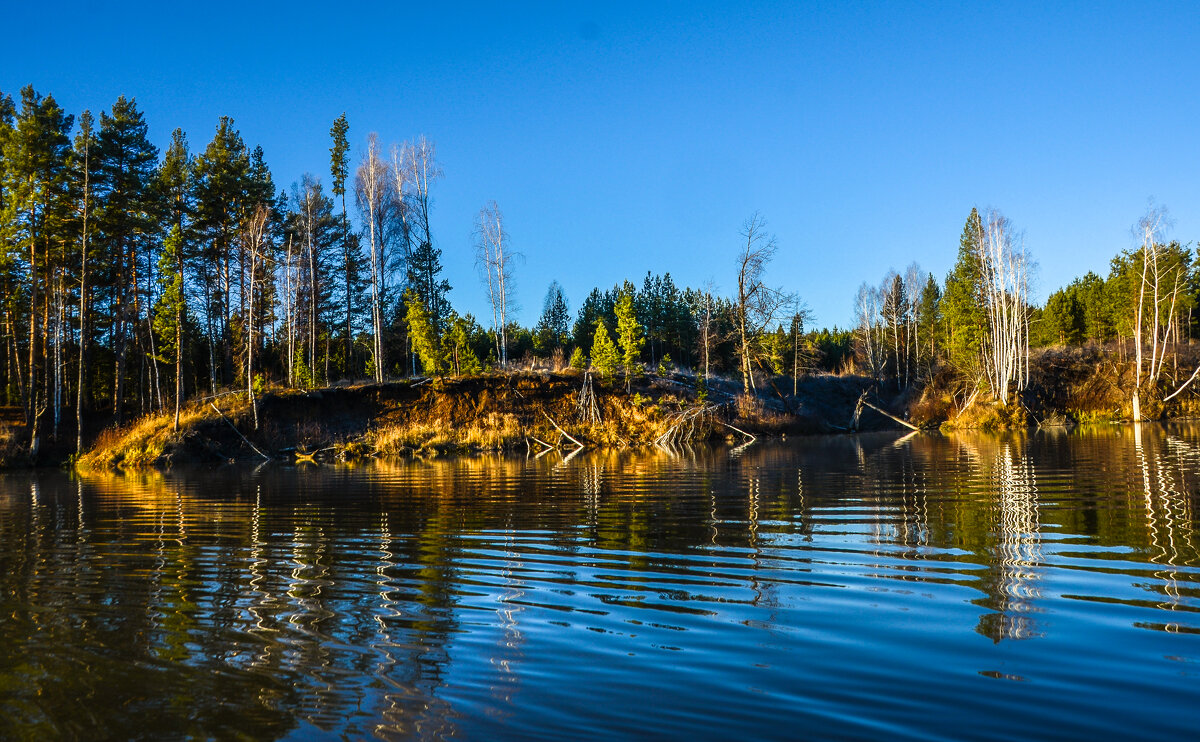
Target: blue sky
620	138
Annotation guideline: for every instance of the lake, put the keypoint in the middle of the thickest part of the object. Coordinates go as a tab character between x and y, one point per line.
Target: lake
1044	585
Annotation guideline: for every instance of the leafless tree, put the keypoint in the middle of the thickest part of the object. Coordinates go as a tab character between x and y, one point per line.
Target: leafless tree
1005	267
254	238
421	158
758	305
494	258
371	187
870	328
1162	277
290	286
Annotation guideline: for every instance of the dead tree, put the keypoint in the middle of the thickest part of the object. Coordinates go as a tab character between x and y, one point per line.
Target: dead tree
758	305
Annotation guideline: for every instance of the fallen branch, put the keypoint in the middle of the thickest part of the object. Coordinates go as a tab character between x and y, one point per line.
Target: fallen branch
751	437
248	443
1184	386
890	416
565	433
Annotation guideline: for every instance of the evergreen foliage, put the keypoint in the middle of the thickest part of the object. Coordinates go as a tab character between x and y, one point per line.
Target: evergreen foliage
604	352
629	335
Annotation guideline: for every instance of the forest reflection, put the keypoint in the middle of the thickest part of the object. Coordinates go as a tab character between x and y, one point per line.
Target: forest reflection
351	598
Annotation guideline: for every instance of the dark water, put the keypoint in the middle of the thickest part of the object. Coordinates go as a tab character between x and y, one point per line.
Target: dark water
1043	586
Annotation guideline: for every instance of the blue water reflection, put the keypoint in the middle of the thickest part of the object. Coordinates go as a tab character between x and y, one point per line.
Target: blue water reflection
928	587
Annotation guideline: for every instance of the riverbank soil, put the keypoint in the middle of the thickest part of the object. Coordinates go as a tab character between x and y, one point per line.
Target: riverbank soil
516	411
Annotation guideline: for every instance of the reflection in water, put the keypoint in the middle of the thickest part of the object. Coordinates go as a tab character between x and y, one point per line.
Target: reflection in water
1018	551
842	583
1167	463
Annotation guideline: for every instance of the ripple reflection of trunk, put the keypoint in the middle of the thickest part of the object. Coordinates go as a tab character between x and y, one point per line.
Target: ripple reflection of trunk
1168	514
1011	583
1019	548
509	653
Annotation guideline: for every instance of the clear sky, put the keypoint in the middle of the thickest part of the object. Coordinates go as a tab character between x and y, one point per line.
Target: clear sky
619	138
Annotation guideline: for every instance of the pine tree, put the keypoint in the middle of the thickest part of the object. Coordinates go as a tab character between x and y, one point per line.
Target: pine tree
175	190
222	182
35	223
126	170
629	335
604	351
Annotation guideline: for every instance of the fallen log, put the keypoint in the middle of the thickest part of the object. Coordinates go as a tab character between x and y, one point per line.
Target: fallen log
890	416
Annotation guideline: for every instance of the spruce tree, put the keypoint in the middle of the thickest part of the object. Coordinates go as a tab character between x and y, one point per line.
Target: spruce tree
963	306
552	328
339	168
424	336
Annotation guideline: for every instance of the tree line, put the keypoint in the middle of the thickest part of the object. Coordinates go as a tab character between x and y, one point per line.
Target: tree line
975	330
133	279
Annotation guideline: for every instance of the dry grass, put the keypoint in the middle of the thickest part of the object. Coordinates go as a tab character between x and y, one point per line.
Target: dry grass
147	440
492	432
10	445
989	417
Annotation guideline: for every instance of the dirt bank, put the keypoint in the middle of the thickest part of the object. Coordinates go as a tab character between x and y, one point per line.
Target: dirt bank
523	411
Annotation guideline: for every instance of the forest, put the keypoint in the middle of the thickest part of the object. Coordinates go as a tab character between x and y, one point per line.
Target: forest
133	280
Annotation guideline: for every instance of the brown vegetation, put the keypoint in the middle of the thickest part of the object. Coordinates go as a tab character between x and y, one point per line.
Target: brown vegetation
528	411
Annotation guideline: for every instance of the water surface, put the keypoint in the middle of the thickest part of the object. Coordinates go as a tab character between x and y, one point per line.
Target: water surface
930	587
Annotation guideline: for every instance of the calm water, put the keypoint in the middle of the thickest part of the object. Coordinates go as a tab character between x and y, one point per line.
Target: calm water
930	587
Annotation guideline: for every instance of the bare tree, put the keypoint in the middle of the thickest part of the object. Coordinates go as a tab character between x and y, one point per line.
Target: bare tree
1162	276
758	305
371	190
707	322
291	284
870	328
1005	268
494	258
423	169
253	237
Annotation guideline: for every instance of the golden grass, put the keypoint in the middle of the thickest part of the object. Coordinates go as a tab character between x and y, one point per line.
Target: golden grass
145	441
989	417
491	432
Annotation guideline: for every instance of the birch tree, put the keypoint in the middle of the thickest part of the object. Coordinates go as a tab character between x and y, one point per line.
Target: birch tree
371	189
1004	267
494	259
1162	274
254	237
